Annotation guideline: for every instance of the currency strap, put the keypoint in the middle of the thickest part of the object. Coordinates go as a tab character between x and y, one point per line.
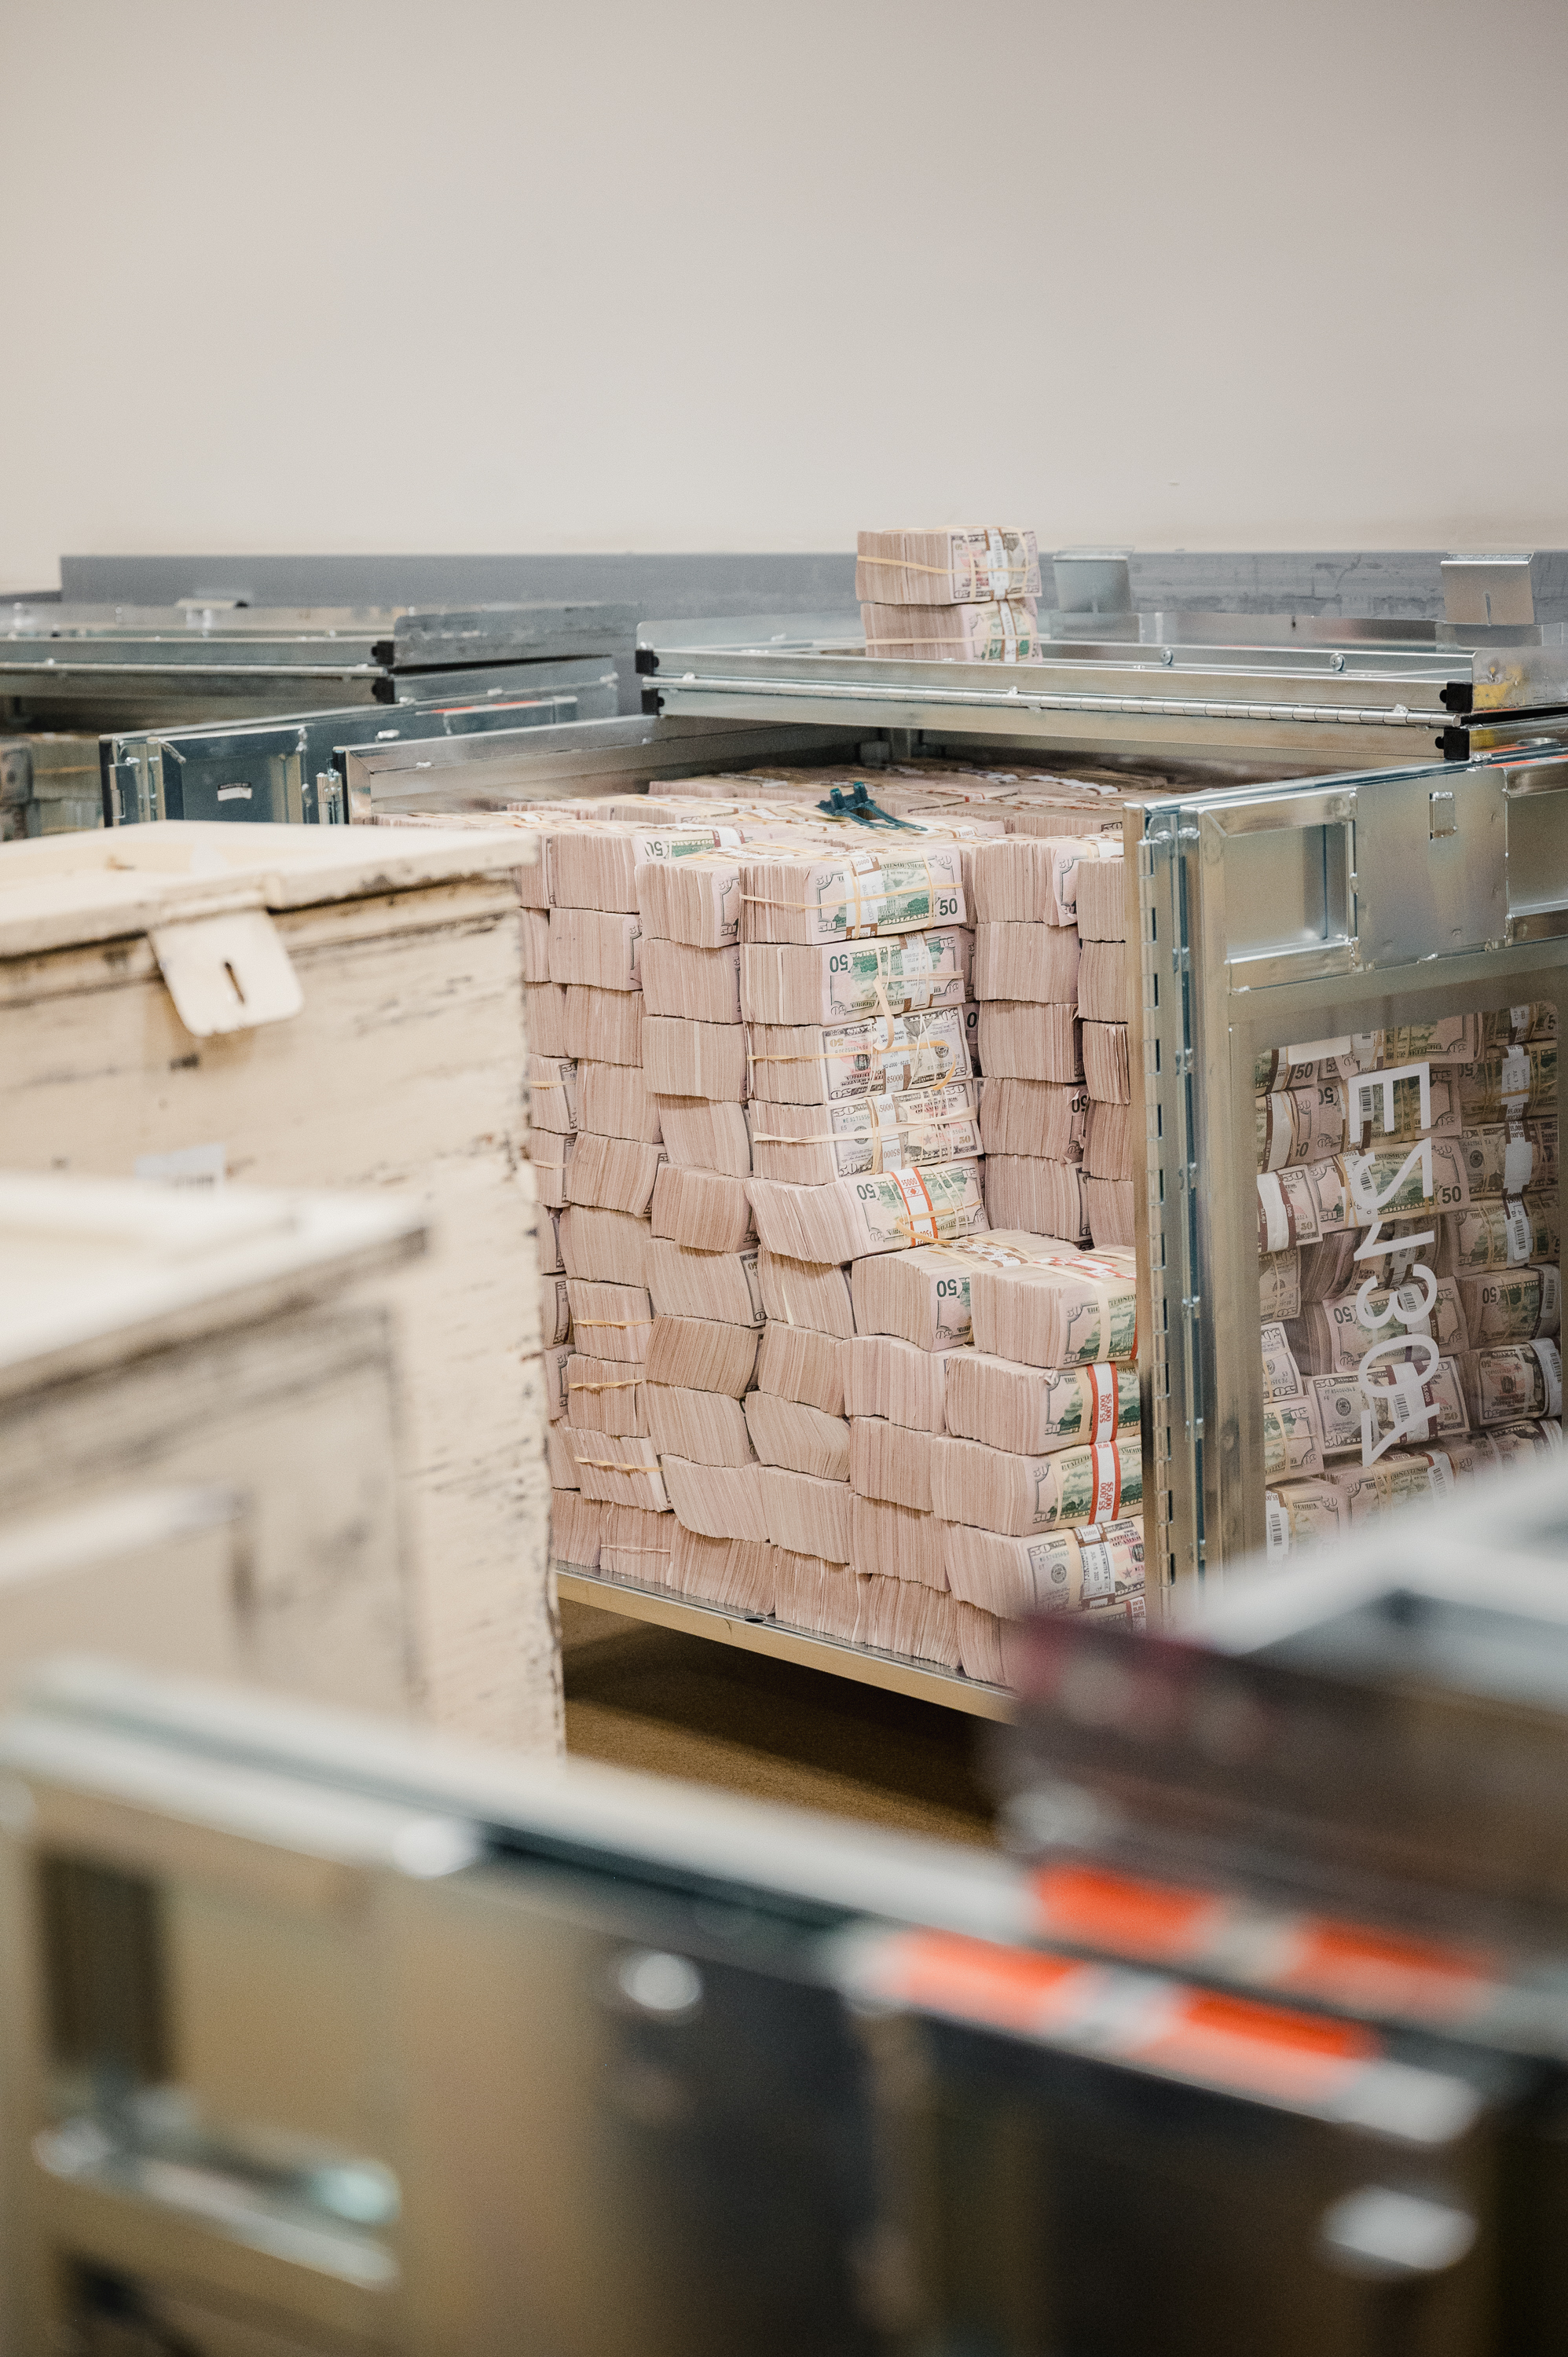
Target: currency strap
1104	1394
1107	1482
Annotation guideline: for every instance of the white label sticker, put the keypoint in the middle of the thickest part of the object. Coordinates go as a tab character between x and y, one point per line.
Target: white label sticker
1098	1572
188	1166
1519	1162
1517	1220
1515	1074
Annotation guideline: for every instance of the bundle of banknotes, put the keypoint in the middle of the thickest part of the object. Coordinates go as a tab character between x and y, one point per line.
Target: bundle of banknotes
1045	1066
965	595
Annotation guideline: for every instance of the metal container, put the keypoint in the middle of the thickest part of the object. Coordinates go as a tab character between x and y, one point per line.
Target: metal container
319	2032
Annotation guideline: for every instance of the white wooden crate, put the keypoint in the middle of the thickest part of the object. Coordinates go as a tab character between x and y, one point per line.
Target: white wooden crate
160	1578
149	1337
385	1048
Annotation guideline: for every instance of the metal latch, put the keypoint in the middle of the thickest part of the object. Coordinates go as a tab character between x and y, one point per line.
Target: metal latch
228	973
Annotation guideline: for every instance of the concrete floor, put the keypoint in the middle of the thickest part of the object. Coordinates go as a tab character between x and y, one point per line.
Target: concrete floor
641	1696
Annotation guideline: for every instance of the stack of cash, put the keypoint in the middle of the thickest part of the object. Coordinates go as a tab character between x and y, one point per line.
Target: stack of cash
635	1546
576	1529
1028	980
864	1141
759	1131
1097	1565
738	1573
1101	900
973	566
1052	1307
1435	1359
1007	629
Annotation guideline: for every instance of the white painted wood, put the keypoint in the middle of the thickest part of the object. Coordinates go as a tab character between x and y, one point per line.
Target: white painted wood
404	1073
155	1577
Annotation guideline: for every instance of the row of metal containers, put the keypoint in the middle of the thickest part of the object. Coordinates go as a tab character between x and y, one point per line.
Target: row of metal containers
1347	879
1295	881
218	710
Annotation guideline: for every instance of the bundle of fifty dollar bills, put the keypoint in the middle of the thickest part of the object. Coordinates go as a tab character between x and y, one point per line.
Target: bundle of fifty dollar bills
951	595
759	1131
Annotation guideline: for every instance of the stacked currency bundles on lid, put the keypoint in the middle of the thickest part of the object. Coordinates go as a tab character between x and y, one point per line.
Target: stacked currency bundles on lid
1005	630
947	566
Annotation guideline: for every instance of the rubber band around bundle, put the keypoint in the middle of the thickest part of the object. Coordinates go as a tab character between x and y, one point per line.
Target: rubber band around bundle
619	1323
627	1383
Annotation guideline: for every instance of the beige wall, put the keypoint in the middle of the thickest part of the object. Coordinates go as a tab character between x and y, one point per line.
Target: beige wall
361	274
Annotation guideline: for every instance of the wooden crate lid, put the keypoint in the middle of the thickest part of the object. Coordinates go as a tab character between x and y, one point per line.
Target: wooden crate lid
58	891
96	1271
